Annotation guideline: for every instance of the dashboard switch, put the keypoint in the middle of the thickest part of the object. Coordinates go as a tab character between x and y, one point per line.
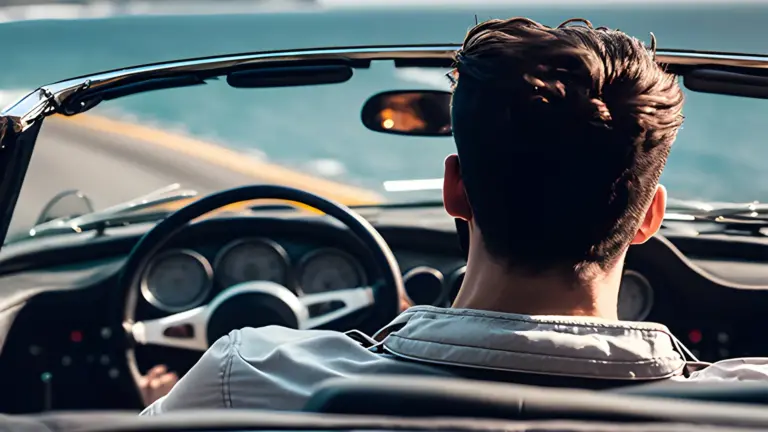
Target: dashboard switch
46	378
695	336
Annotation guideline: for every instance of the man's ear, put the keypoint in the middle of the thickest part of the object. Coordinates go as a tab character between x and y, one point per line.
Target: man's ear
654	216
454	196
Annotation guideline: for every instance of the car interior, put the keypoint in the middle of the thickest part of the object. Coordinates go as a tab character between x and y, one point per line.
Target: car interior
92	307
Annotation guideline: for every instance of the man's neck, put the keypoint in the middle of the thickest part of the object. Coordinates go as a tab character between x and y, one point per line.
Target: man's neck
489	285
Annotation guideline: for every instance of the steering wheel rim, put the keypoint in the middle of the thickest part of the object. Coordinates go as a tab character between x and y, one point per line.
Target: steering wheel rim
386	296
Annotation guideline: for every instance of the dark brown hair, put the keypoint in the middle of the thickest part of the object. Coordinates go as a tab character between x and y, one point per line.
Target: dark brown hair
562	134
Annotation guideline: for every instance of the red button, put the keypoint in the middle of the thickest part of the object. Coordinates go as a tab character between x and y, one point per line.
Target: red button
76	336
695	336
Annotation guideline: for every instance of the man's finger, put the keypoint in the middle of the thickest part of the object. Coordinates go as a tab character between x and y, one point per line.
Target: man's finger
157	371
167	380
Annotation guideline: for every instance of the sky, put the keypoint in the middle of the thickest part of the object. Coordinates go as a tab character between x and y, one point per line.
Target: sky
106	8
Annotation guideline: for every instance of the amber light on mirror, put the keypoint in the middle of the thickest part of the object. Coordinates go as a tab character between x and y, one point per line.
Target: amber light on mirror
409	112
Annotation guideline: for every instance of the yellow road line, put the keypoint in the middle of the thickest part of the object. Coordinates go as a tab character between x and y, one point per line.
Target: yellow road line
262	172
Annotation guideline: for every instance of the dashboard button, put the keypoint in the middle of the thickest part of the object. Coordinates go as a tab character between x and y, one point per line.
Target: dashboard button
66	361
695	336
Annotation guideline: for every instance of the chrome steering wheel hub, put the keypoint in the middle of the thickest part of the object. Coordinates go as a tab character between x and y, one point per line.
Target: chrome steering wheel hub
249	304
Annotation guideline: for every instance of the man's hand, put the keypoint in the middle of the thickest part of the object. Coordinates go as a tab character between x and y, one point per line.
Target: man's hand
404	304
156	384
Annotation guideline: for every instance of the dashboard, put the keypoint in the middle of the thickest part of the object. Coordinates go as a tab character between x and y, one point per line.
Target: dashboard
61	314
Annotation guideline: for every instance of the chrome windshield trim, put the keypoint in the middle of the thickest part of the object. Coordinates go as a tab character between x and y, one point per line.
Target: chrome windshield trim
701	58
42	102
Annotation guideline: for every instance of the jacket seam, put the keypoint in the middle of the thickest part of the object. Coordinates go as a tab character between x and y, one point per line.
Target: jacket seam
651	360
226	369
465	313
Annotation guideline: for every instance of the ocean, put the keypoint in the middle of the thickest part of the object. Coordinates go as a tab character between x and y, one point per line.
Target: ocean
720	154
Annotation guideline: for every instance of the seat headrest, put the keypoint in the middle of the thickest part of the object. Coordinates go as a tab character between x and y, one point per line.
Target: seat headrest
414	396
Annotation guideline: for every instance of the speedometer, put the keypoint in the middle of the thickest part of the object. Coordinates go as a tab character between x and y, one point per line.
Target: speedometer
252	260
177	280
329	270
635	297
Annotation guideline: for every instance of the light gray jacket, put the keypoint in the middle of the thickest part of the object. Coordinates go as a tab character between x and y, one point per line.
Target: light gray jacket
277	368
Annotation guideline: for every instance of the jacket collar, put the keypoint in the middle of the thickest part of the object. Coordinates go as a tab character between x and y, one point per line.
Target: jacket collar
553	345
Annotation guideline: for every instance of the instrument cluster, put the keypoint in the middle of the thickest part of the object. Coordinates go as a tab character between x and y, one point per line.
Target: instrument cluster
181	279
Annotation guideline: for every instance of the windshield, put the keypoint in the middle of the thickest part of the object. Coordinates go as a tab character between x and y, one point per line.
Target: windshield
214	136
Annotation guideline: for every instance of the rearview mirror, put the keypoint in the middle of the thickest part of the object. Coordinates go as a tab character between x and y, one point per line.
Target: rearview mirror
409	112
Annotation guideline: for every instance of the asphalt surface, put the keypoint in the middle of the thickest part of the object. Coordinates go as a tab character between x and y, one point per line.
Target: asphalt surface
110	168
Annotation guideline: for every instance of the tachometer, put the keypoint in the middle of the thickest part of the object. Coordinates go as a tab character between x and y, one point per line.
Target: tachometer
177	280
252	260
635	297
329	270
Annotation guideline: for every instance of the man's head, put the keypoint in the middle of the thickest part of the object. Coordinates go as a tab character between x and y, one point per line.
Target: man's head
562	134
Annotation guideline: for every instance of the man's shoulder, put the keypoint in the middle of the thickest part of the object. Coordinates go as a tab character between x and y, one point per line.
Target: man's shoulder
736	369
269	368
298	358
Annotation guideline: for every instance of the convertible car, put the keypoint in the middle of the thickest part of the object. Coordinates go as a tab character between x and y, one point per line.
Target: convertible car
91	299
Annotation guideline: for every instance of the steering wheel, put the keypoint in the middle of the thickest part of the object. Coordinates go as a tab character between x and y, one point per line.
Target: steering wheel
257	303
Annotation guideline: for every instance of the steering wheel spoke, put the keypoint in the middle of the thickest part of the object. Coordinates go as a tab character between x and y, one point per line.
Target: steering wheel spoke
344	302
182	330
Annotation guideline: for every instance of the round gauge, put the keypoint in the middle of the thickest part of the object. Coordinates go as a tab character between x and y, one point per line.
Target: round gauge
252	260
424	286
177	280
329	270
635	297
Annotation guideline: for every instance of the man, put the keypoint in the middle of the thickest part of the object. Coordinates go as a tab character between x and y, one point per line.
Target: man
562	134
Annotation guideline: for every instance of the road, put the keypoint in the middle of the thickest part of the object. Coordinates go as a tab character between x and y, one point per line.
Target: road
112	162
